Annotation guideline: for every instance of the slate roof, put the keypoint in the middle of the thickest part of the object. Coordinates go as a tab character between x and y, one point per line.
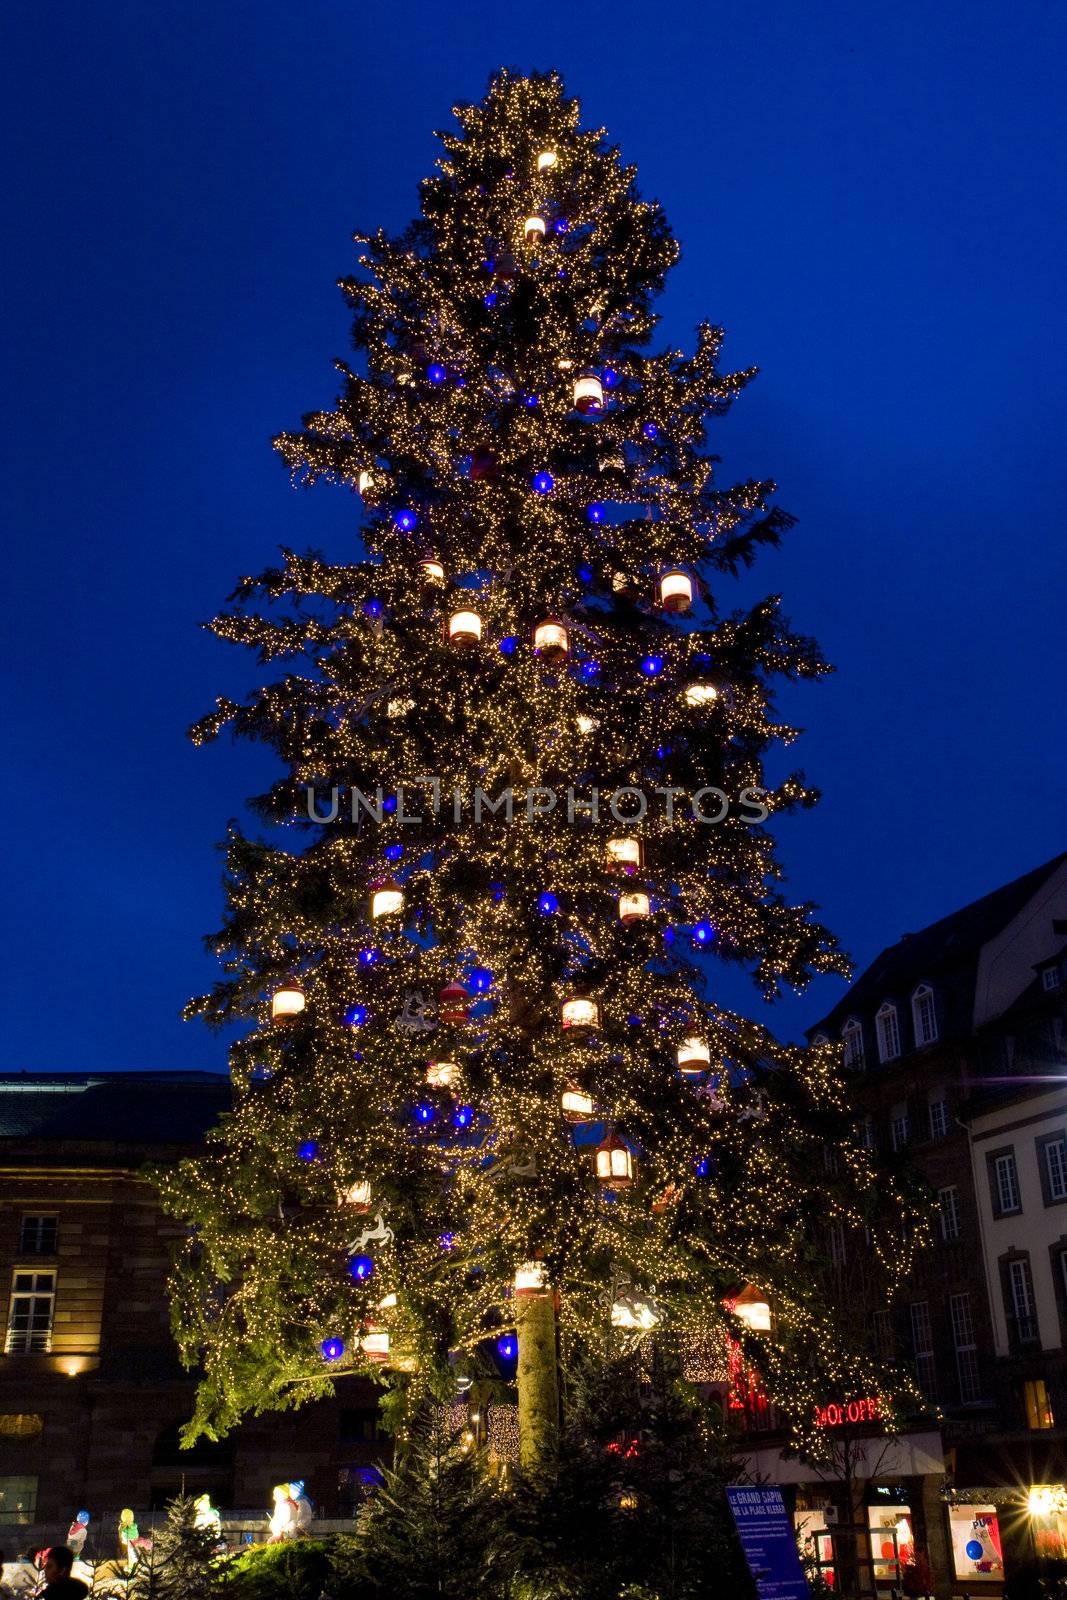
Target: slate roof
128	1108
952	944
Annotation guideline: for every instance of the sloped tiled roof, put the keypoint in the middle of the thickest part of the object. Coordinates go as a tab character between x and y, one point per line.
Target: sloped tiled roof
952	943
149	1108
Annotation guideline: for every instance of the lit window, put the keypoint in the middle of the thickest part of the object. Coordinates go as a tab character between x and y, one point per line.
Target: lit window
20	1424
939	1119
29	1323
1005	1184
924	1015
852	1035
1021	1301
922	1340
1036	1404
948	1201
1056	1167
888	1030
37	1236
18	1500
959	1308
899	1127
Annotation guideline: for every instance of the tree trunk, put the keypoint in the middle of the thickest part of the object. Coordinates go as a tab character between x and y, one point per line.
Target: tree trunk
538	1380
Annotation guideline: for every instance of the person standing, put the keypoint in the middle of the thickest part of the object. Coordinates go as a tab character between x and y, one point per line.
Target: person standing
59	1583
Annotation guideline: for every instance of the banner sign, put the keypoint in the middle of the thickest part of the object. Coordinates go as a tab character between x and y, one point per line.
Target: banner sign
767	1538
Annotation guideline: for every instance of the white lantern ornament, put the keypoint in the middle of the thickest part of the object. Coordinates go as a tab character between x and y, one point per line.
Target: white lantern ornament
432	570
287	1002
365	484
546	160
588	392
442	1074
579	1014
753	1309
534	230
387	899
701	693
624	855
375	1344
633	907
465	629
575	1104
694	1058
551	640
614	1161
676	590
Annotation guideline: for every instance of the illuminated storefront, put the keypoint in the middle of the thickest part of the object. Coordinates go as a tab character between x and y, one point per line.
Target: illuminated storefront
892	1540
1047	1505
976	1548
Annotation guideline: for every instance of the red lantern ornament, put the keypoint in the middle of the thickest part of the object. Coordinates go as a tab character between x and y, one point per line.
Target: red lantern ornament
453	1004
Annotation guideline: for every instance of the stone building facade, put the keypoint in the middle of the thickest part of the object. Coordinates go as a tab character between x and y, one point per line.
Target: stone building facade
92	1395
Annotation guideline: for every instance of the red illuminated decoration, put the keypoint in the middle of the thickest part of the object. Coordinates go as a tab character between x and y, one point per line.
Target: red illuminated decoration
840	1415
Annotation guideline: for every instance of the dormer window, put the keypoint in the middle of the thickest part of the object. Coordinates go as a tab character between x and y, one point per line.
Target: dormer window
1050	979
924	1015
852	1036
887	1028
820	1038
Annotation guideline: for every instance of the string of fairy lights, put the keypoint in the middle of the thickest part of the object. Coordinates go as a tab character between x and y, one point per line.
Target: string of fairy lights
482	1048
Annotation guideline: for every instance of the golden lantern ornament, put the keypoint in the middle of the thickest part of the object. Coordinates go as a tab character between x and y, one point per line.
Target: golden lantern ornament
432	570
387	899
624	855
676	590
546	160
576	1105
358	1195
701	693
442	1074
614	1161
579	1014
534	230
465	629
530	1278
287	1002
551	640
588	392
633	907
694	1058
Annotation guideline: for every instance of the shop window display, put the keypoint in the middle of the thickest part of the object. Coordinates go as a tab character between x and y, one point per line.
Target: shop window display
976	1548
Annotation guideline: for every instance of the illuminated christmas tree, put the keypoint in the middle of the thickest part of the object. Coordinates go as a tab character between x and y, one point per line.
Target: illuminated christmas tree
487	1109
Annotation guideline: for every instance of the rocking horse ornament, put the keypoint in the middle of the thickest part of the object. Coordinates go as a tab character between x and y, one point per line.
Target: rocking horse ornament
417	1015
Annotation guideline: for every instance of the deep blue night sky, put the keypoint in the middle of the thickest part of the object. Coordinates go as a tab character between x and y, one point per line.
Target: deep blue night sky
868	198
